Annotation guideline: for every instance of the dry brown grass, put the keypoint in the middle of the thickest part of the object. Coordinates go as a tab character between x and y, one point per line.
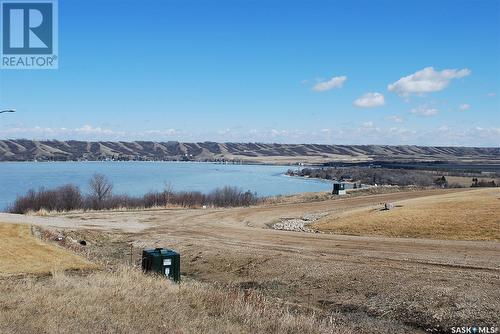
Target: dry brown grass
52	213
469	215
309	197
127	301
21	252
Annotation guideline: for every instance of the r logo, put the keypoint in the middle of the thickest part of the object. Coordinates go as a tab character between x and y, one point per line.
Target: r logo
29	37
27	28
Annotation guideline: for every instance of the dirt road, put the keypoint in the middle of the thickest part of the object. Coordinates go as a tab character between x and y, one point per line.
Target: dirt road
249	227
387	282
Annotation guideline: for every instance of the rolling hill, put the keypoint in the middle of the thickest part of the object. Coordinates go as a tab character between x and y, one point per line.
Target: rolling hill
54	150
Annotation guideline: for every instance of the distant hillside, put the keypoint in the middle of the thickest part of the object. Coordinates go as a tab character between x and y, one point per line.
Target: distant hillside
53	150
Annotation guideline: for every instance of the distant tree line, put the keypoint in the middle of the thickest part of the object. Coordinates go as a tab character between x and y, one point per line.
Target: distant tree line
483	183
101	197
367	175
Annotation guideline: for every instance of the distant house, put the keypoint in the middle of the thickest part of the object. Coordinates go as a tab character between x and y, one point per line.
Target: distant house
339	188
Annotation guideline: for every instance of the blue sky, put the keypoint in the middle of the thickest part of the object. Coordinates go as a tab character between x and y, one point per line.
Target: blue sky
334	72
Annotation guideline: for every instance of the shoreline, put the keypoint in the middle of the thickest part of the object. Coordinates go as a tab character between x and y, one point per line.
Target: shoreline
139	178
245	163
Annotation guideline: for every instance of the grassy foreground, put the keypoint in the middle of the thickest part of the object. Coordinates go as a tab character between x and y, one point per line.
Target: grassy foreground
21	252
127	301
468	215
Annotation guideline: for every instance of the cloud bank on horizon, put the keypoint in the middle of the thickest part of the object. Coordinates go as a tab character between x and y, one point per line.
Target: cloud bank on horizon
369	131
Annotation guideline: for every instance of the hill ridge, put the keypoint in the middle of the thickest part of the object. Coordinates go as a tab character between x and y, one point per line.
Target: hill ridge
72	150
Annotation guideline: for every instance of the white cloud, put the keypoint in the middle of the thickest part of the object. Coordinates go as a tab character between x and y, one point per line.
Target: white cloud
370	100
167	132
424	111
395	119
492	94
86	132
464	107
335	82
363	134
426	81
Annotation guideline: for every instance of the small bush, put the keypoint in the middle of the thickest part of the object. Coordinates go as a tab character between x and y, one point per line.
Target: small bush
64	198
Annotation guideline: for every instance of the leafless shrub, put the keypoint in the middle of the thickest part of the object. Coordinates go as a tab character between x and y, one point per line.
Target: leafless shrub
220	197
231	196
69	197
64	198
101	189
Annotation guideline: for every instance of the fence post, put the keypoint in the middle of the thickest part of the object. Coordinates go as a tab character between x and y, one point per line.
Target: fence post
131	252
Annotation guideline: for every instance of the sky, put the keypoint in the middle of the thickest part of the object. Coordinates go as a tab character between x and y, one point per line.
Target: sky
331	72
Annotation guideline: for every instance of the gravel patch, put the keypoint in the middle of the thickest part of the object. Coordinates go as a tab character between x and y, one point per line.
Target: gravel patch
299	224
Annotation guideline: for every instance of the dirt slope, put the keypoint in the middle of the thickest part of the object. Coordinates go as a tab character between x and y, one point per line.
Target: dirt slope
22	253
472	215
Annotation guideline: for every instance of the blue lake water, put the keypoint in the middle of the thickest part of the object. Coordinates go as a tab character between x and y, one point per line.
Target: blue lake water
137	178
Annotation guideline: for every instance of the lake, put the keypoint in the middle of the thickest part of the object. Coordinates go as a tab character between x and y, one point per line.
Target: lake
137	178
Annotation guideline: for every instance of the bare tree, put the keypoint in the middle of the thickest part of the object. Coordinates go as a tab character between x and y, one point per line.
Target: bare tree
101	189
167	192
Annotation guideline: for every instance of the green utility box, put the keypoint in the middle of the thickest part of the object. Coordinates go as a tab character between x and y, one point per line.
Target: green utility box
163	261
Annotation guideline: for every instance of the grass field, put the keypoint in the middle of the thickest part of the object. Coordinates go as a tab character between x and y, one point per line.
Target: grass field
127	301
22	253
471	215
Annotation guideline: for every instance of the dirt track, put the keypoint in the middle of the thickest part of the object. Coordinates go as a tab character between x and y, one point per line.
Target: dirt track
422	283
